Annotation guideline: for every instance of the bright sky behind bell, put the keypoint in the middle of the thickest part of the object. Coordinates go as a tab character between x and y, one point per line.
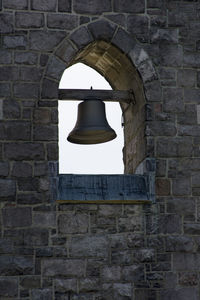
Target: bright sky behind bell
104	158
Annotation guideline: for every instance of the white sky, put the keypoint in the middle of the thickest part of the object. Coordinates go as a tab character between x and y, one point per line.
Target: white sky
104	158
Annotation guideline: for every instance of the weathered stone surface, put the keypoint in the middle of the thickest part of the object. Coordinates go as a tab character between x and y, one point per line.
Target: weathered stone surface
28	58
123	41
47	219
64	5
71	223
63	267
6	22
179	244
15	42
170	55
15	130
122	290
134	273
65	285
44	5
4	168
21	169
44	293
188	278
26	90
58	21
30	282
45	133
49	89
181	186
129	6
27	20
92	7
81	37
186	261
7	187
17	217
5	57
66	51
170	224
180	294
174	147
45	40
24	151
55	68
8	287
89	246
89	285
35	237
16	265
102	30
112	273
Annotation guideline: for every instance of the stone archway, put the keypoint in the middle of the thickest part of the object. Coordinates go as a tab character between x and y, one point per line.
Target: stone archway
121	60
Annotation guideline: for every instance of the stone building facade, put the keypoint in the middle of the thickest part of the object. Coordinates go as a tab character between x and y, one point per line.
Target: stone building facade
52	250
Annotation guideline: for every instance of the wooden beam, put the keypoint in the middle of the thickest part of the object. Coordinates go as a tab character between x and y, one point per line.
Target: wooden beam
103	202
104	95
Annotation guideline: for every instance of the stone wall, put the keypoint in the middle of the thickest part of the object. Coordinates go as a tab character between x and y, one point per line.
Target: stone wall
97	251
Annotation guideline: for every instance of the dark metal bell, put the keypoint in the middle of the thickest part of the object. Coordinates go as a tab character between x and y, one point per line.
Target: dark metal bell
91	126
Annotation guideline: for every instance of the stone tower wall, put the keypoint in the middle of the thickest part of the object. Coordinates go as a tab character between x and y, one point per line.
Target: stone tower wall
98	251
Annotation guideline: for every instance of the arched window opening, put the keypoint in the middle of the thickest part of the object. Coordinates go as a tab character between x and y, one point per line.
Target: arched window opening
103	158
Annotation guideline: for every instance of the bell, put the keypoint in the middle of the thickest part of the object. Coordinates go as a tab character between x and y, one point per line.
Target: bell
91	126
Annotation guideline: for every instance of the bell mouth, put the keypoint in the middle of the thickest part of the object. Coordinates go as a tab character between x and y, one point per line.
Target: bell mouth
86	137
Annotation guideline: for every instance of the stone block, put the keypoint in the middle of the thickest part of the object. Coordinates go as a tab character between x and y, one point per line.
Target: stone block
9	73
30	282
138	25
30	74
89	246
188	278
180	294
116	18
112	273
29	20
123	41
47	219
35	237
27	58
6	246
102	30
45	40
145	255
65	285
24	151
5	57
123	257
8	287
63	267
170	55
21	169
174	147
89	285
186	78
192	229
60	21
6	23
16	265
11	109
163	187
64	5
122	291
161	35
52	151
147	71
131	223
17	217
186	261
26	90
198	79
15	42
181	186
135	6
92	7
5	89
170	224
42	116
191	59
7	188
15	130
66	52
179	244
17	4
182	206
173	100
73	223
28	184
42	293
160	128
153	91
50	89
4	168
44	5
55	68
192	96
81	37
133	273
45	133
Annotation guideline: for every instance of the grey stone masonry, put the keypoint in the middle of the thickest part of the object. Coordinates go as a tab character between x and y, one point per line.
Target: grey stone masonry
90	249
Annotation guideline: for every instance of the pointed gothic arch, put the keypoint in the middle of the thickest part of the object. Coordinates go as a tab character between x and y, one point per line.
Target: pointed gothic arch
116	55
